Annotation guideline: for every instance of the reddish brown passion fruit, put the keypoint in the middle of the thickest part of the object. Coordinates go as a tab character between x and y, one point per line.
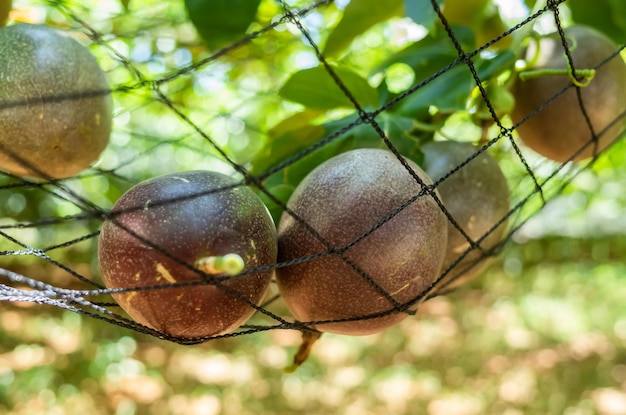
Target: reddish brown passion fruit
477	197
57	111
559	130
344	201
164	230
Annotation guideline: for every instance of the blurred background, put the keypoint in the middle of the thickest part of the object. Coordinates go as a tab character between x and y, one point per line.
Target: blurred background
541	331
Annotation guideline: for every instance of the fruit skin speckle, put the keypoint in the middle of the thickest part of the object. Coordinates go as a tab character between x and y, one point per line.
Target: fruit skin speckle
57	112
207	222
342	199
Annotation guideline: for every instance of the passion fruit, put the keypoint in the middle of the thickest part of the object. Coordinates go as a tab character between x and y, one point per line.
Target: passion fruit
56	111
559	130
374	241
190	227
477	197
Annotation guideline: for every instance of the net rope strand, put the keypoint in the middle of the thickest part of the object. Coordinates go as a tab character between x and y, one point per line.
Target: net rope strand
16	287
553	5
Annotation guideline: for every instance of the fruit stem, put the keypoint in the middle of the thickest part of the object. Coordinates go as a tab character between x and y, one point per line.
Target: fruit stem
309	338
586	75
230	264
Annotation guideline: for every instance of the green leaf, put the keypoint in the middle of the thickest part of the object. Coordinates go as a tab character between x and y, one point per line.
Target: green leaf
530	3
298	170
359	16
284	146
295	172
314	88
422	12
360	135
294	122
220	22
398	129
5	9
449	91
488	68
608	16
435	51
428	56
281	192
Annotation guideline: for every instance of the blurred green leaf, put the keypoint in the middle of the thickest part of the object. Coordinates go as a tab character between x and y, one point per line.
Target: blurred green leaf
5	8
422	12
358	17
467	12
363	132
432	53
285	145
397	128
501	99
220	22
295	122
426	57
487	68
448	92
281	192
314	88
608	16
298	170
294	173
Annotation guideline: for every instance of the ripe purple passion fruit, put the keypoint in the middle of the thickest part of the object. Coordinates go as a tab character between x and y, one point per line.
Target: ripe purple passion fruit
343	199
559	130
58	110
215	220
477	198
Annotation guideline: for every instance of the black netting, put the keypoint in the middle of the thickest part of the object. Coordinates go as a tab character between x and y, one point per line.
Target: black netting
51	227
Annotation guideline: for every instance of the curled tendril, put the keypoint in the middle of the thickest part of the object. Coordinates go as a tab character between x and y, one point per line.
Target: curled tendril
581	78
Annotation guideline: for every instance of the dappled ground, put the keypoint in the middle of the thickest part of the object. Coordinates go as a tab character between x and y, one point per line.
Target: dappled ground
543	332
